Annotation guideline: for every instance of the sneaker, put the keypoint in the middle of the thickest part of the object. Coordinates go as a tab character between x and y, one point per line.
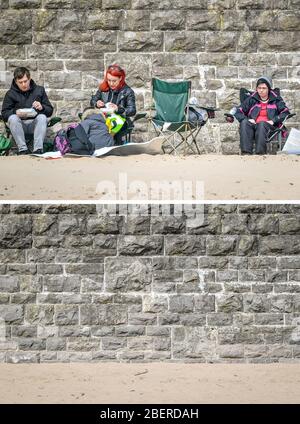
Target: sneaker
23	152
38	152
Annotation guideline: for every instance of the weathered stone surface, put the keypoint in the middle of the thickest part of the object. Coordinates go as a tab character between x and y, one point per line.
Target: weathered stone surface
184	245
286	245
127	274
39	314
229	303
140	245
184	41
15	231
221	245
12	314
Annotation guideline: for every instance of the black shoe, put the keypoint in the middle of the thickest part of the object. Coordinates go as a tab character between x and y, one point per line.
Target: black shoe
23	152
38	152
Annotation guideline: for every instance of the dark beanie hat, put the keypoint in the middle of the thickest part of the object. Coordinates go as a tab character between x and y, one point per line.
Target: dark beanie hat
264	80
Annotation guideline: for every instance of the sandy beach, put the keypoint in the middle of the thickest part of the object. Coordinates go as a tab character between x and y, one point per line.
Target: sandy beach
150	383
273	177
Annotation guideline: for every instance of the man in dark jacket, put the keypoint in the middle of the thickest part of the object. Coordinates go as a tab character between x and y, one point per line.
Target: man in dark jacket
26	94
258	115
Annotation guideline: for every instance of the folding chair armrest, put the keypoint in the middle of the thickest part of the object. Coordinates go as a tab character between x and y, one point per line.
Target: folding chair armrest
54	120
208	108
229	118
139	116
289	116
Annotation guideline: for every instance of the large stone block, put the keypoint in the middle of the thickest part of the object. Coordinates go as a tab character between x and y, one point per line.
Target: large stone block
181	304
234	224
141	41
15	29
128	274
12	314
137	20
256	303
221	41
104	225
9	283
274	245
221	245
167	20
62	80
263	224
39	314
196	343
15	231
167	225
66	315
108	19
22	357
176	41
229	303
279	41
211	224
103	314
136	225
184	245
44	224
203	21
289	224
140	245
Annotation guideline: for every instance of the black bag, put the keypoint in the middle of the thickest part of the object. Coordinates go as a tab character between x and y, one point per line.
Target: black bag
79	142
196	115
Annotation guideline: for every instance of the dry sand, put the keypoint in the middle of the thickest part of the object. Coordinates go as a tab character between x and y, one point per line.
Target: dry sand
225	177
150	383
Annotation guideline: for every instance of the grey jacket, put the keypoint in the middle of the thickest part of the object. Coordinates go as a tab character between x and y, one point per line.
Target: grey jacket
97	131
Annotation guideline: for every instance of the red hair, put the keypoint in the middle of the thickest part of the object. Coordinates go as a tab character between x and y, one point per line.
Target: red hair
116	71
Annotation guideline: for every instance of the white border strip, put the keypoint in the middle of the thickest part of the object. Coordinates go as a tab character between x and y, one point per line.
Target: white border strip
149	202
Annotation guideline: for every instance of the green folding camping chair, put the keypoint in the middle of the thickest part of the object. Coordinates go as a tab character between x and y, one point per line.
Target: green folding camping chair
171	119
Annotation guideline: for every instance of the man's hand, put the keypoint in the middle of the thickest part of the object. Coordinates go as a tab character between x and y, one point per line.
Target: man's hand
252	121
21	114
37	105
270	122
99	104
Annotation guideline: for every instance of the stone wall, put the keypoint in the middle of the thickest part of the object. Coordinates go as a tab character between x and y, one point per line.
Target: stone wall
220	45
78	284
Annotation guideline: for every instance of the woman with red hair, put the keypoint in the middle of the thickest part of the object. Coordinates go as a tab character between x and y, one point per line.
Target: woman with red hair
121	98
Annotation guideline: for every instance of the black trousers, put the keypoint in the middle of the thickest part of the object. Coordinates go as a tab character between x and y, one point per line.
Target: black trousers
251	134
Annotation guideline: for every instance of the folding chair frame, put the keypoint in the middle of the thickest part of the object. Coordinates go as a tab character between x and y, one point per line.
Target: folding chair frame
186	130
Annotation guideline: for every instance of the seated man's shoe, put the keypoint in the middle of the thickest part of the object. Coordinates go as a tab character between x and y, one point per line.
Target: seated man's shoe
23	152
38	152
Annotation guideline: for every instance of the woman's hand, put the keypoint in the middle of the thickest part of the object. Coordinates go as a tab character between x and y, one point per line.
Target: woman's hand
270	122
252	121
99	104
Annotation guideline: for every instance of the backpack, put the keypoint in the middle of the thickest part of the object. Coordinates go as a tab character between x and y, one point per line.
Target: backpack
114	122
73	140
5	145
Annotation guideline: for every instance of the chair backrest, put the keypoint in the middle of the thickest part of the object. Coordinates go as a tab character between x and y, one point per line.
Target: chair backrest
170	99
